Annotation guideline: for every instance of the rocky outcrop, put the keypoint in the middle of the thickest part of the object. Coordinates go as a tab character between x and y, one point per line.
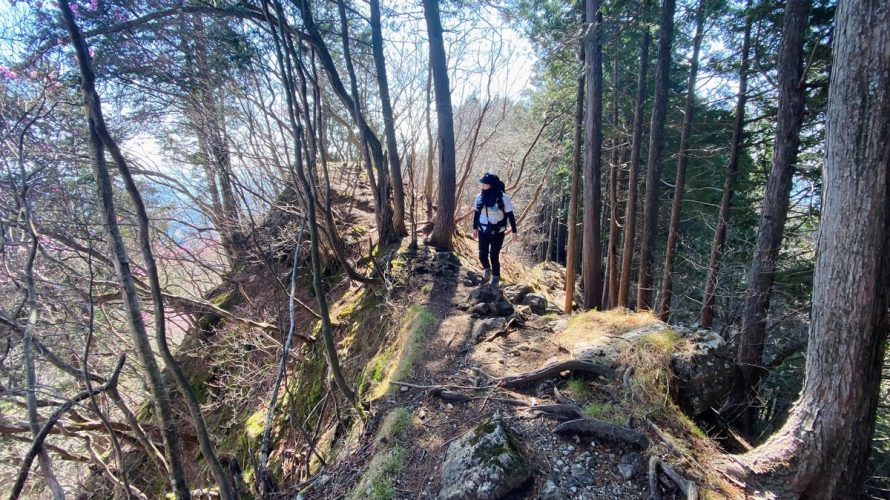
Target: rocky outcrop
486	463
704	370
702	361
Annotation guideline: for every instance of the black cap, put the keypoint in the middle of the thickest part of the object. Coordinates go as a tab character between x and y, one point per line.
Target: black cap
490	178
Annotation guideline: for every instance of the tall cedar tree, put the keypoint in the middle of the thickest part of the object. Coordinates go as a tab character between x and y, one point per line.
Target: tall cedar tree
630	210
572	244
821	450
591	250
443	226
732	171
656	150
789	120
670	253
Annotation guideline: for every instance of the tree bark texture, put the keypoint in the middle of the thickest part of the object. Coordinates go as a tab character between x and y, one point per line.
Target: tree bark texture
789	120
443	227
610	291
656	151
664	308
591	253
821	451
572	245
630	210
732	170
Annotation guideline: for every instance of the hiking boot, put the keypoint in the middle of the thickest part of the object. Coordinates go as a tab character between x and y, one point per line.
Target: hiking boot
495	281
486	275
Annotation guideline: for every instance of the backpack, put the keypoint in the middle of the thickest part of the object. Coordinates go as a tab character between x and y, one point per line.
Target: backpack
495	228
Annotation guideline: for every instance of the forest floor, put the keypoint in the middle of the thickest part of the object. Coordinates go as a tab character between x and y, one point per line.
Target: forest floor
563	467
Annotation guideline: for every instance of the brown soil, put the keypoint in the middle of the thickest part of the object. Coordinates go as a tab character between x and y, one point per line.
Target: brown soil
448	361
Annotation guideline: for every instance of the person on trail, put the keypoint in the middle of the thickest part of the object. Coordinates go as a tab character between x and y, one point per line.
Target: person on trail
493	210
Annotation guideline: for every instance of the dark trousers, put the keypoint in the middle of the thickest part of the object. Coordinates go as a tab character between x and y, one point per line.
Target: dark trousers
491	245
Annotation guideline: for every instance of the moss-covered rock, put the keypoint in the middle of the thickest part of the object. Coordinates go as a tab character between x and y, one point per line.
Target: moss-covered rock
485	463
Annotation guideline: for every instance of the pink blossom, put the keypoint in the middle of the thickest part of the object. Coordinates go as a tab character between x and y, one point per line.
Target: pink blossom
7	73
33	74
118	14
94	4
92	53
73	7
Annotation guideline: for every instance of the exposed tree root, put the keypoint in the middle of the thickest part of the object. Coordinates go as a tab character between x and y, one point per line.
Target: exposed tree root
654	488
687	487
553	370
603	430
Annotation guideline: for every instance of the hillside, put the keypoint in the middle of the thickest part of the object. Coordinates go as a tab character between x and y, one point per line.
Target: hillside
435	356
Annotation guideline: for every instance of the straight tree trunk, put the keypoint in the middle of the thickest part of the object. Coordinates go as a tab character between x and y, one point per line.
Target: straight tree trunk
656	150
610	291
430	148
789	120
572	244
822	449
389	127
591	256
630	209
157	386
732	170
664	309
443	227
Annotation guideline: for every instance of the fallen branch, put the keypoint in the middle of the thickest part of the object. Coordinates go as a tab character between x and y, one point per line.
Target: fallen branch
550	371
687	487
604	430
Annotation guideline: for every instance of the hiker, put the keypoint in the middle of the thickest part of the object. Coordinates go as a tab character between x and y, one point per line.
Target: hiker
493	210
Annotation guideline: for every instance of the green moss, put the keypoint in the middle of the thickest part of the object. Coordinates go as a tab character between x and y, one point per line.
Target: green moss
397	362
309	385
255	424
580	389
388	460
394	426
377	481
606	412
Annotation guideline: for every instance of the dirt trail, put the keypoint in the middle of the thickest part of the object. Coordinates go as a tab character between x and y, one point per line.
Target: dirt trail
584	468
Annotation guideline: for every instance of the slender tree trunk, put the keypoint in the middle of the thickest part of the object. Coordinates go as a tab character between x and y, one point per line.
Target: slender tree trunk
822	449
610	291
664	309
732	169
591	257
28	362
656	151
392	148
443	227
286	55
430	148
383	209
630	210
572	245
160	394
789	120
